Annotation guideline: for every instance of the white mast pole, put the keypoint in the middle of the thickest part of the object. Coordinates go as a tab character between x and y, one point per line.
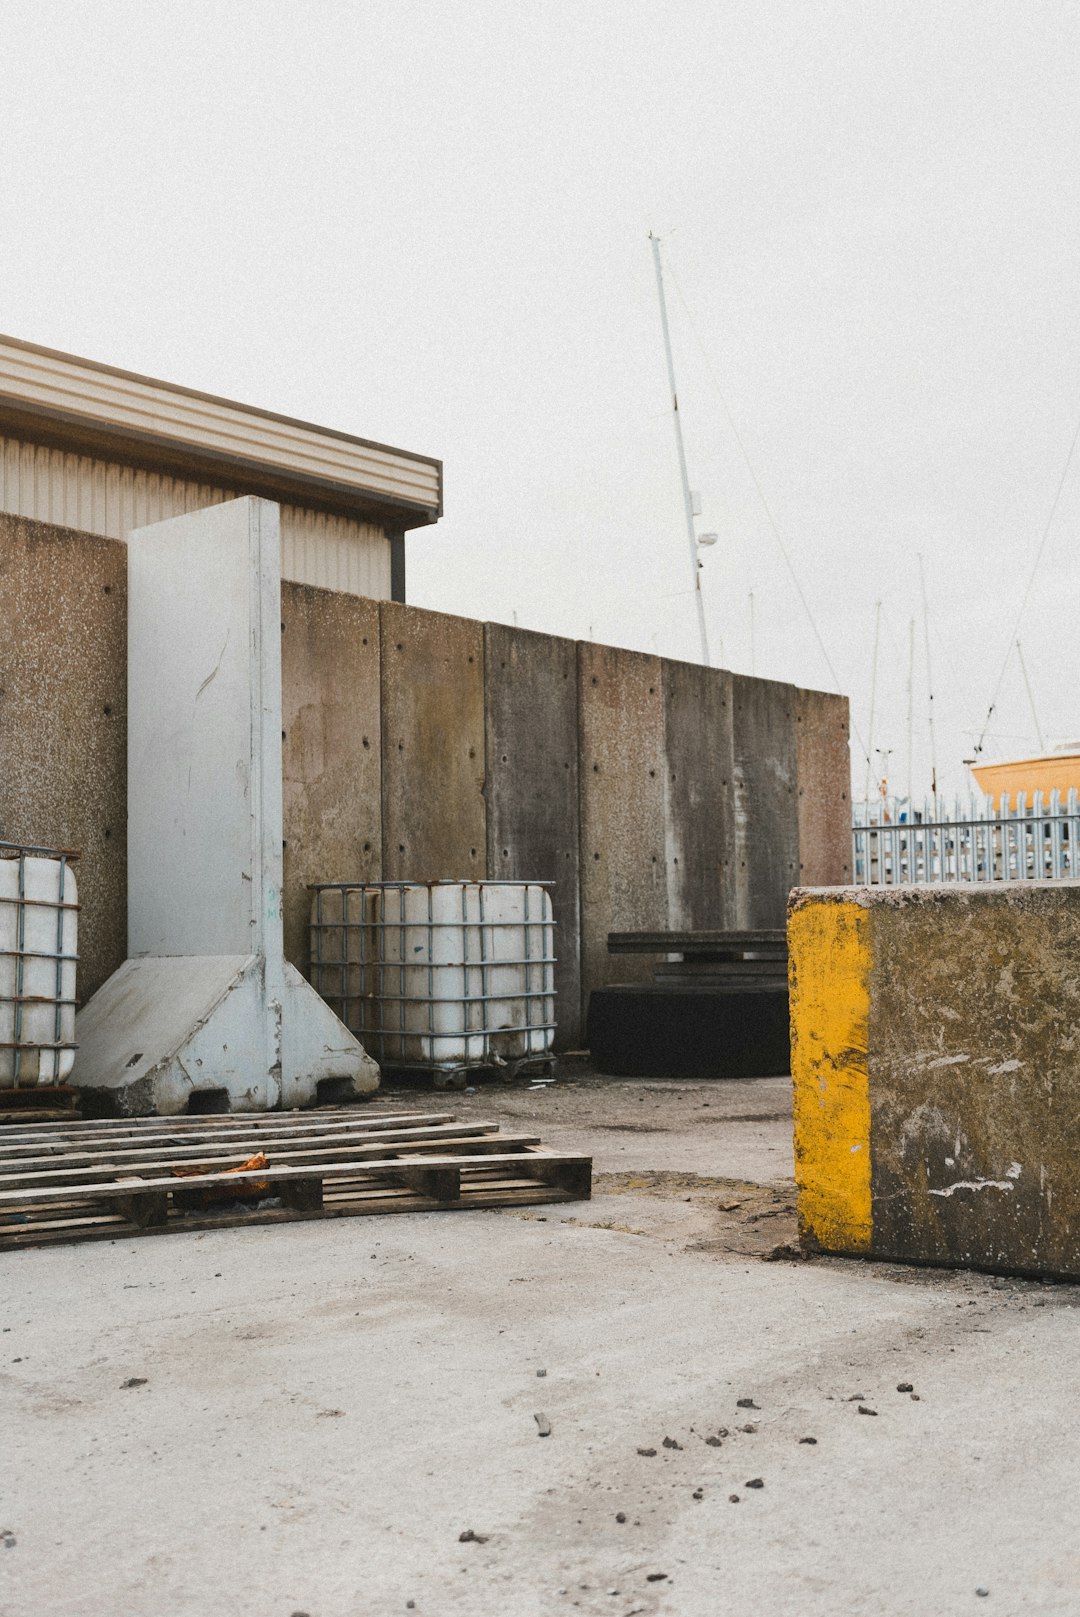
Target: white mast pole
688	503
929	683
873	701
1030	697
910	707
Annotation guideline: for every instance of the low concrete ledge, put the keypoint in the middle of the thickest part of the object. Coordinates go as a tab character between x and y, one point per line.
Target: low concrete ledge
936	1063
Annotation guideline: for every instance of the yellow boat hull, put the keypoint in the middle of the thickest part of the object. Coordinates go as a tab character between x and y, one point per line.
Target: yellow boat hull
1052	772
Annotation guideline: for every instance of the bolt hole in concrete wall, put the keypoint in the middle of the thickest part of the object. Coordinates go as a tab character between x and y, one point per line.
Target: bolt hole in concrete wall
500	751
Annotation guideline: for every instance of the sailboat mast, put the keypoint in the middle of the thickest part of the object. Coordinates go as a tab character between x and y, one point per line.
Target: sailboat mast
1030	697
929	682
910	700
688	503
873	700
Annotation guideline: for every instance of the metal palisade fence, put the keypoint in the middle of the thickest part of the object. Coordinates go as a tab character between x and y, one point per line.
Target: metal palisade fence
896	843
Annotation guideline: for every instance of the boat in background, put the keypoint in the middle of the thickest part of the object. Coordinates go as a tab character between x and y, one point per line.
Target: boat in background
1057	771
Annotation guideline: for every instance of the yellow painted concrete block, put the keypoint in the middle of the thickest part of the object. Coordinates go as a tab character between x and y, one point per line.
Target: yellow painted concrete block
829	954
936	1059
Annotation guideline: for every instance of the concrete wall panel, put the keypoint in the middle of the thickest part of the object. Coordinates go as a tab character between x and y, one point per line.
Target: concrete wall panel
824	774
63	718
700	797
623	846
331	748
766	817
532	788
433	813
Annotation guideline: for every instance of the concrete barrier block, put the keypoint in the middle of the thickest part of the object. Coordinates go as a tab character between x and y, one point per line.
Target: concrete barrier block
936	1063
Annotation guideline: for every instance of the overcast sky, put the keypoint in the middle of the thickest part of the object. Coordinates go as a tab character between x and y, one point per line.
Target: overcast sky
427	223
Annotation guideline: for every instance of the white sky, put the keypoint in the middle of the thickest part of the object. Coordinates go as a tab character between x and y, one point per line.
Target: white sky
426	223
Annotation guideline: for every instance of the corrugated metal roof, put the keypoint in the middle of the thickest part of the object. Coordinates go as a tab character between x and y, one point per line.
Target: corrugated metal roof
327	548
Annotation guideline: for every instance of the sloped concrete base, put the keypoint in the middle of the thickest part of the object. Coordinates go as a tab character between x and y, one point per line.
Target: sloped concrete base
165	1029
318	1049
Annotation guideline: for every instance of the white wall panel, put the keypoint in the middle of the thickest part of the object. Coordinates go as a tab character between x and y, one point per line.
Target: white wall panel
97	496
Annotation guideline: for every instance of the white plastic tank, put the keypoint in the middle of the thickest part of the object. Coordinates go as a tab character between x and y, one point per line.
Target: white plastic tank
38	953
442	975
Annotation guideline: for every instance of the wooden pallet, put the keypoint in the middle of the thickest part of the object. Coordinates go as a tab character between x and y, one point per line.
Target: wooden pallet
103	1180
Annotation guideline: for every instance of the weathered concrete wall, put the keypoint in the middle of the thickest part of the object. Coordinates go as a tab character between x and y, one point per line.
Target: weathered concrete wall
531	685
766	800
433	812
824	775
623	840
63	718
652	793
937	1109
699	808
332	748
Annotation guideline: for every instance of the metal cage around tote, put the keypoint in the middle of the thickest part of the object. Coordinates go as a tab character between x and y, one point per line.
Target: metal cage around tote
38	937
438	976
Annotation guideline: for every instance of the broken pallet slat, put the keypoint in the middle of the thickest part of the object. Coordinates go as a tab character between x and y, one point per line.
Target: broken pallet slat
12	1169
234	1122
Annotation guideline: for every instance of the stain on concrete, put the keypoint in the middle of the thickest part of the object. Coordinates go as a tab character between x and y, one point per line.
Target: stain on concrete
331	748
699	797
623	845
531	686
766	802
433	811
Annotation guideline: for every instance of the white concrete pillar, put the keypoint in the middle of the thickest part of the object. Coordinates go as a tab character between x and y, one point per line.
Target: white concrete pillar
206	1001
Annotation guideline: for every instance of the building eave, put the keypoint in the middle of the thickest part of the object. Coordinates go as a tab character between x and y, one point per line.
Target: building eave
90	409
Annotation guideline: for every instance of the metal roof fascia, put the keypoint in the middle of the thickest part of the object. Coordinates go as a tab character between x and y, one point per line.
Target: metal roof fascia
96	430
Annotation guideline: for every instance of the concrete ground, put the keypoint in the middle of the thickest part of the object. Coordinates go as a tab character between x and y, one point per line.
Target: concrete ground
324	1409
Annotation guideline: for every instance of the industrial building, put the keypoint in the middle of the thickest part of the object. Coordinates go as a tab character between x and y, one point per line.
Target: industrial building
103	451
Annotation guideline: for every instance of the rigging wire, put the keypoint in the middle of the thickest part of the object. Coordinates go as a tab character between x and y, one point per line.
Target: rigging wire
764	502
1031	698
1027	592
